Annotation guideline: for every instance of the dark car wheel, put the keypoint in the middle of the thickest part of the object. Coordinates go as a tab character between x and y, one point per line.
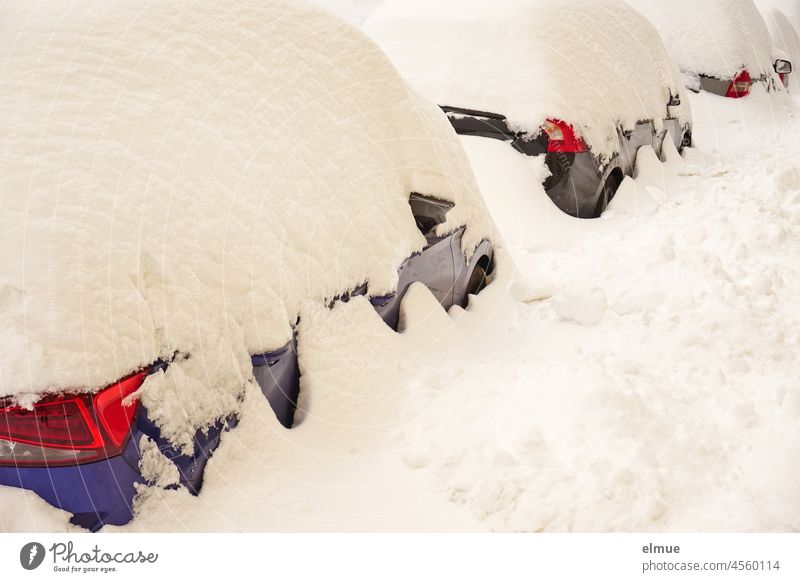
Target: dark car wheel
477	280
686	142
609	189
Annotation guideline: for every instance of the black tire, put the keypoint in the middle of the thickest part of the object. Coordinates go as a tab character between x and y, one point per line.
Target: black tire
609	189
477	280
686	142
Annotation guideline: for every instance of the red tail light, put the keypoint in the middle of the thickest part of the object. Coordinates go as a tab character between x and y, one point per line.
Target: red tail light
740	86
562	138
69	430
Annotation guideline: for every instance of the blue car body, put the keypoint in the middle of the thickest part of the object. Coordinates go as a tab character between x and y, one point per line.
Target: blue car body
102	492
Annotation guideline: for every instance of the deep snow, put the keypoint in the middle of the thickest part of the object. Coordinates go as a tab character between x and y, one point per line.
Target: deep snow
639	372
791	8
527	60
651	381
186	178
712	37
351	10
779	16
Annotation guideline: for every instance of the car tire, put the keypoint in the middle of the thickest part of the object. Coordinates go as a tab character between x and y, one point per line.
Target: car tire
686	141
477	280
610	187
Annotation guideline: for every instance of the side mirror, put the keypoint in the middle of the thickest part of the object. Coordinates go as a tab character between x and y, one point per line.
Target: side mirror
674	101
783	67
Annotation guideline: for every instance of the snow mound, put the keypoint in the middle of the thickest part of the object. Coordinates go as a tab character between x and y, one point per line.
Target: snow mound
713	37
677	411
594	63
722	124
785	38
790	8
582	306
183	177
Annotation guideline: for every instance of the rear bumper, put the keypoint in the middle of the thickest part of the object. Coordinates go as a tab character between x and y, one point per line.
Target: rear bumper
102	493
720	86
715	86
96	494
278	375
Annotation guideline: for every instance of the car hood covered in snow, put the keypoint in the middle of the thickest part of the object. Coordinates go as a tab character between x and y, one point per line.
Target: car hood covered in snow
712	37
594	63
183	176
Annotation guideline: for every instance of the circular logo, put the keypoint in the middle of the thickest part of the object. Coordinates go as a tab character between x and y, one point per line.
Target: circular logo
31	555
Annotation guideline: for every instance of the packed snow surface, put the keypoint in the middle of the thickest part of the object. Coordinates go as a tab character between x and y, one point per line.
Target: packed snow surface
597	64
717	38
186	176
635	372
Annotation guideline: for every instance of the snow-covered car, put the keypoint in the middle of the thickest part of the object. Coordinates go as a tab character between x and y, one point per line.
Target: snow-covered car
584	83
721	46
173	202
778	16
351	10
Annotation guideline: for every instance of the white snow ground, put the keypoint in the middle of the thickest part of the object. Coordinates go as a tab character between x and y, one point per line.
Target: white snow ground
639	372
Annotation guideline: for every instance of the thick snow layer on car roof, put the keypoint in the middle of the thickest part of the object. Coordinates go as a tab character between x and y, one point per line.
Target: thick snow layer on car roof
593	63
785	38
351	10
182	177
712	37
344	8
790	8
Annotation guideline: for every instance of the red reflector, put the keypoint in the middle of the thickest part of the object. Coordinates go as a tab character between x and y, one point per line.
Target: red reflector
115	416
562	138
740	86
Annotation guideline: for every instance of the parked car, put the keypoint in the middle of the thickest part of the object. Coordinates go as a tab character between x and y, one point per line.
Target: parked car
785	37
171	206
586	102
351	10
721	46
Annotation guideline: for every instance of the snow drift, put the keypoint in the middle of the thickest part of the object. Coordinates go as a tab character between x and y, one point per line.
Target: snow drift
183	177
594	63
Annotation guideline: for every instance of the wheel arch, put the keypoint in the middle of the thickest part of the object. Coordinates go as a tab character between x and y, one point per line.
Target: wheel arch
614	169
